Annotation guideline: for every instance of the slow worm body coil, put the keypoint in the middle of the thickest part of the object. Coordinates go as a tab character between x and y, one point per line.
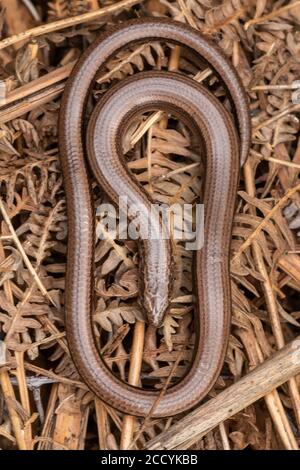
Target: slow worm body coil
226	148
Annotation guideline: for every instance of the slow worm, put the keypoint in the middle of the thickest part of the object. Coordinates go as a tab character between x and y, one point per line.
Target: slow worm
226	148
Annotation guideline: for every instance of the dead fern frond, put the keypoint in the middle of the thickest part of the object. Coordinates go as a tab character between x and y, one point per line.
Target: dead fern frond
58	9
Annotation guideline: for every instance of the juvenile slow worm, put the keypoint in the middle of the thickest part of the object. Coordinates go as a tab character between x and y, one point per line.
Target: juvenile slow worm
226	149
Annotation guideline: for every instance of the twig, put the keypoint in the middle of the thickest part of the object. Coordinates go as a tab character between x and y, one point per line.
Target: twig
149	159
46	340
275	371
101	417
224	437
158	399
133	379
67	22
288	110
9	397
290	193
24	256
53	376
24	395
7	436
271	15
49	440
41	83
202	75
292	86
172	67
282	162
71	419
32	102
24	434
180	170
138	134
272	399
187	14
121	64
49	418
270	296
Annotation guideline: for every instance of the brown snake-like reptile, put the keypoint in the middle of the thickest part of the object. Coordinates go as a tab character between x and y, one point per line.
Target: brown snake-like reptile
226	149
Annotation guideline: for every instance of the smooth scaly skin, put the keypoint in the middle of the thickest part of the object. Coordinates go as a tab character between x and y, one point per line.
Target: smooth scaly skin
110	170
202	110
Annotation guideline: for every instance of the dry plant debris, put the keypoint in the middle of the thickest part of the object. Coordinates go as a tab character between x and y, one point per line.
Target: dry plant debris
43	403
